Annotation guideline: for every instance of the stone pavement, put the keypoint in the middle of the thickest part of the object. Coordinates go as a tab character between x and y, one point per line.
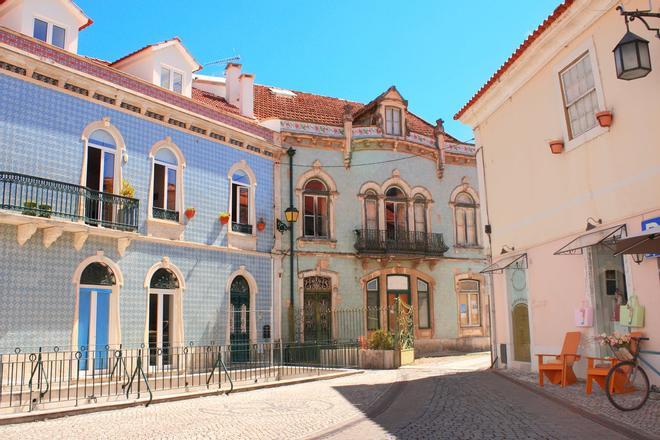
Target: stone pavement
435	398
646	419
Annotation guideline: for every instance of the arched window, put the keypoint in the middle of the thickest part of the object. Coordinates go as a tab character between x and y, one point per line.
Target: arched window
163	287
466	220
240	202
166	185
100	175
419	211
396	213
371	210
315	201
469	303
97	281
239	319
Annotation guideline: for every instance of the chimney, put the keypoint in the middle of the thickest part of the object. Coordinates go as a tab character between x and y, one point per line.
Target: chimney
232	73
246	92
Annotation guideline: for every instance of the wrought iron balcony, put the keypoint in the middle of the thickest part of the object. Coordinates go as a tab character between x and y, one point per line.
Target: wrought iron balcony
47	198
239	227
373	241
165	214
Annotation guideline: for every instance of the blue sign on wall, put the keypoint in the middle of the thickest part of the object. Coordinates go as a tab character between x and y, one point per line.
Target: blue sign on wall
650	224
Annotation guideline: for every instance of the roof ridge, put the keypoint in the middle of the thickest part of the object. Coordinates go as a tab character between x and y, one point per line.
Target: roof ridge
309	93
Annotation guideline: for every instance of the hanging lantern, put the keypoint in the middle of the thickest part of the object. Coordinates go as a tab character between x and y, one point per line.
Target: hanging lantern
631	57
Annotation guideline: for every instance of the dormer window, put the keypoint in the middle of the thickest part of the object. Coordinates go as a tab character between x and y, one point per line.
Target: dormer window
393	121
50	33
171	79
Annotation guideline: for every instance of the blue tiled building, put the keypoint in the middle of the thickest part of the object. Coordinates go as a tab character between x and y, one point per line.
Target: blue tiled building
111	193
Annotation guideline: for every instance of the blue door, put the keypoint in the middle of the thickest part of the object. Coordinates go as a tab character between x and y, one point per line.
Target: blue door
93	317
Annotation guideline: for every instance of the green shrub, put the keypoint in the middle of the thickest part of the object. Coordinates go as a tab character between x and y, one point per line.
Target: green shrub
381	340
30	208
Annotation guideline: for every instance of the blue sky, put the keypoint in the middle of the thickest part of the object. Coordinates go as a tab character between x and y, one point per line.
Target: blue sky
437	53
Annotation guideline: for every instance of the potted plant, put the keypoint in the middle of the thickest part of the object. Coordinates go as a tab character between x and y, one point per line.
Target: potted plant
604	118
29	208
190	213
379	353
44	210
127	190
556	146
224	217
261	224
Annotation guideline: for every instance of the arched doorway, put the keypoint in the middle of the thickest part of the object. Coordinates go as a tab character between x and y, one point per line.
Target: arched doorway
521	340
97	282
317	319
239	319
162	311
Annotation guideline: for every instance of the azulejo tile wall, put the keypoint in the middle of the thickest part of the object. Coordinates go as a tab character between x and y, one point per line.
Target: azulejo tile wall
40	135
34	119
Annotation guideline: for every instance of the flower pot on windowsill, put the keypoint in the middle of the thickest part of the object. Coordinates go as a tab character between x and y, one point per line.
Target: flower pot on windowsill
224	218
190	213
261	225
557	146
604	118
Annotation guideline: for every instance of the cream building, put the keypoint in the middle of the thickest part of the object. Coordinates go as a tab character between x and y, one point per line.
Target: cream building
555	276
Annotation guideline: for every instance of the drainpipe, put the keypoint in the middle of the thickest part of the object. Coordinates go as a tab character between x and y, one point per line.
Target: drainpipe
291	152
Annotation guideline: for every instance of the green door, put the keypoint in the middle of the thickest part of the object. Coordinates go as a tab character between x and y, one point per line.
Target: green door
239	328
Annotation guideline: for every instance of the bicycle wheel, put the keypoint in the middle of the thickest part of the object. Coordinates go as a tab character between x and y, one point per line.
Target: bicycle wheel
627	386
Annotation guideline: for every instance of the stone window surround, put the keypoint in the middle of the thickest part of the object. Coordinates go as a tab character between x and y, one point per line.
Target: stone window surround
317	173
411	193
252	283
466	188
413	275
335	298
120	156
114	327
585	47
166	228
474	330
241	240
178	324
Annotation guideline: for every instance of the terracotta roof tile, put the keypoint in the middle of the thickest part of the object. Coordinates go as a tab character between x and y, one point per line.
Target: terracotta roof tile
559	10
214	101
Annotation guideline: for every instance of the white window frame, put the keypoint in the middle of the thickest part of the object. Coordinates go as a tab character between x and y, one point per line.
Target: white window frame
394	132
252	206
49	30
586	47
171	82
180	194
167	167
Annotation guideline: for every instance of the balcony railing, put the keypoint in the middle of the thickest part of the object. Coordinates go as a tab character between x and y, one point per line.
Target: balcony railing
46	198
165	214
240	227
395	241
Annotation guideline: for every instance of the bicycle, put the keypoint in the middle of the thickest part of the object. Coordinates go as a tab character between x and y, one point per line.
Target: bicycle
627	385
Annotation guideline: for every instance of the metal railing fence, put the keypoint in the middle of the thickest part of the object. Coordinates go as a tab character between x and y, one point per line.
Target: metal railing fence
399	241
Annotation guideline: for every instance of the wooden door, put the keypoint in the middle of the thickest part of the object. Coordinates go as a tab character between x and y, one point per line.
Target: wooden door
521	340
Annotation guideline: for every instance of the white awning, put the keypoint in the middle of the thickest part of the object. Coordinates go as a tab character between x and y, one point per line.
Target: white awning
518	261
607	237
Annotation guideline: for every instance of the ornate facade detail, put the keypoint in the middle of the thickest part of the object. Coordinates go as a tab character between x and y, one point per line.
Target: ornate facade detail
317	284
315	129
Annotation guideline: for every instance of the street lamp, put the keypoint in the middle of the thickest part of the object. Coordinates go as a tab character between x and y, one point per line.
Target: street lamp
631	56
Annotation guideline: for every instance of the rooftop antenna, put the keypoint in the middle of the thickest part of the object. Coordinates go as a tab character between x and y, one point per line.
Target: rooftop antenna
234	59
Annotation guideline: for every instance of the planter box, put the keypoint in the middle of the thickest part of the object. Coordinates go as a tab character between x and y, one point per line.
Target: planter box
377	359
406	357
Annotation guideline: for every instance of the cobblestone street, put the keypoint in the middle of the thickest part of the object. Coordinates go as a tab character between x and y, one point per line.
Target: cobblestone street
435	398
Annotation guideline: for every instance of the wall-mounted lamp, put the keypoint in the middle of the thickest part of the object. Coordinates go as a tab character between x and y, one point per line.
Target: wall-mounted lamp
592	223
506	249
291	216
637	258
632	58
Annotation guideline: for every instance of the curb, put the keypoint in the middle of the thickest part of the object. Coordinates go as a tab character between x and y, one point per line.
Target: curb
110	406
601	420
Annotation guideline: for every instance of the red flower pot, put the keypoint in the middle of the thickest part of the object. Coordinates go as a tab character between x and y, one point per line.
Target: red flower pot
261	225
557	146
190	213
604	118
224	219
